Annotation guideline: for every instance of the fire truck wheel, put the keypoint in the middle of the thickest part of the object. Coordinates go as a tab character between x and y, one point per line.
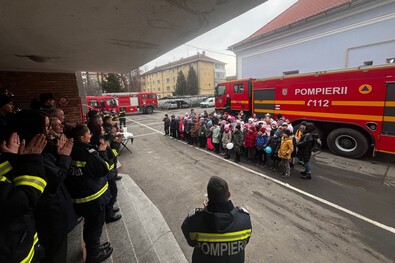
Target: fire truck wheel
347	142
149	110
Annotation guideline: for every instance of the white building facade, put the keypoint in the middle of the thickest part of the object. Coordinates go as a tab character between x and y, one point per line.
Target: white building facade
356	33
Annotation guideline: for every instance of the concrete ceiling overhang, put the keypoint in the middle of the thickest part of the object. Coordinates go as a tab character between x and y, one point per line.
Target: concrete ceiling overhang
103	36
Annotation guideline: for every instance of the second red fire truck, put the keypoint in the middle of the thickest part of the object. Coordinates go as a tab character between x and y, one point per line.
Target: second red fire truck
144	102
354	110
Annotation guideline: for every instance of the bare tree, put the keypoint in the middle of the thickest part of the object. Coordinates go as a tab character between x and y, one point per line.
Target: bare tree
90	83
136	80
124	81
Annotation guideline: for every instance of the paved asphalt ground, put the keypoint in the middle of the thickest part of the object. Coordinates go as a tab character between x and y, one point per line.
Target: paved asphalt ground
346	213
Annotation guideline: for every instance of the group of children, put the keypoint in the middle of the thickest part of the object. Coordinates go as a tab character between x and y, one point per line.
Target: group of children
260	140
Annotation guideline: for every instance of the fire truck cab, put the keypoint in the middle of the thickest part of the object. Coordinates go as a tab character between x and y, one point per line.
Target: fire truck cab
102	103
233	96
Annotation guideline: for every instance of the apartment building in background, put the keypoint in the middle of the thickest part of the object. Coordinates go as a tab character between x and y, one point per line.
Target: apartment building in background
163	79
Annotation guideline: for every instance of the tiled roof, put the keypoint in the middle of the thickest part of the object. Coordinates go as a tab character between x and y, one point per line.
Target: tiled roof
183	61
299	11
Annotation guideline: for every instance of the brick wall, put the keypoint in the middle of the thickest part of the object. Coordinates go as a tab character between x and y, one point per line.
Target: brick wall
28	85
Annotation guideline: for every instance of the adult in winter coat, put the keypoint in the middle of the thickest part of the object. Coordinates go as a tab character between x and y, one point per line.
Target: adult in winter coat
202	133
285	151
22	182
219	232
173	127
299	132
166	123
237	140
305	145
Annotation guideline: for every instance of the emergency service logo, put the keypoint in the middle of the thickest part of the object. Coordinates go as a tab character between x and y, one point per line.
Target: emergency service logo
284	91
365	89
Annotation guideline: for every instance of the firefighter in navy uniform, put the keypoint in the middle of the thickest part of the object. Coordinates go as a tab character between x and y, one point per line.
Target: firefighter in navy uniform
22	181
95	125
88	186
122	118
219	232
110	135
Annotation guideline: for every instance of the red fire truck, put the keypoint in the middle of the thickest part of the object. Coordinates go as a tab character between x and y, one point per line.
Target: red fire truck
354	110
144	102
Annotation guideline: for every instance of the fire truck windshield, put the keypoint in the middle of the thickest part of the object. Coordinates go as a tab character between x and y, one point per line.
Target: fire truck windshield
220	90
112	102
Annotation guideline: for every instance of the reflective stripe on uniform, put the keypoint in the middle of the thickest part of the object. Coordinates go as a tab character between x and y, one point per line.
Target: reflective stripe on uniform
220	237
91	197
30	256
115	152
78	163
3	178
110	167
5	167
33	181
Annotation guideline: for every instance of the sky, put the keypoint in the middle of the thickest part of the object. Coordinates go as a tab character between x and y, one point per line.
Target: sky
216	41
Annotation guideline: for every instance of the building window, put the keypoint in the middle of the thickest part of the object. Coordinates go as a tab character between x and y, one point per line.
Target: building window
168	88
239	88
174	79
158	89
167	80
219	75
158	81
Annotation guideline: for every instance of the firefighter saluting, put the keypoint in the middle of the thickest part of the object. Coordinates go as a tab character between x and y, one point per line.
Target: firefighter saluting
219	232
88	186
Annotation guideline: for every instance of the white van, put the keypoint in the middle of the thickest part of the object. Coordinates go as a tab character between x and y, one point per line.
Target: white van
209	102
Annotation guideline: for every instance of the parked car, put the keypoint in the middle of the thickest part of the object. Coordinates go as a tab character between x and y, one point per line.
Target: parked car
209	102
175	104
